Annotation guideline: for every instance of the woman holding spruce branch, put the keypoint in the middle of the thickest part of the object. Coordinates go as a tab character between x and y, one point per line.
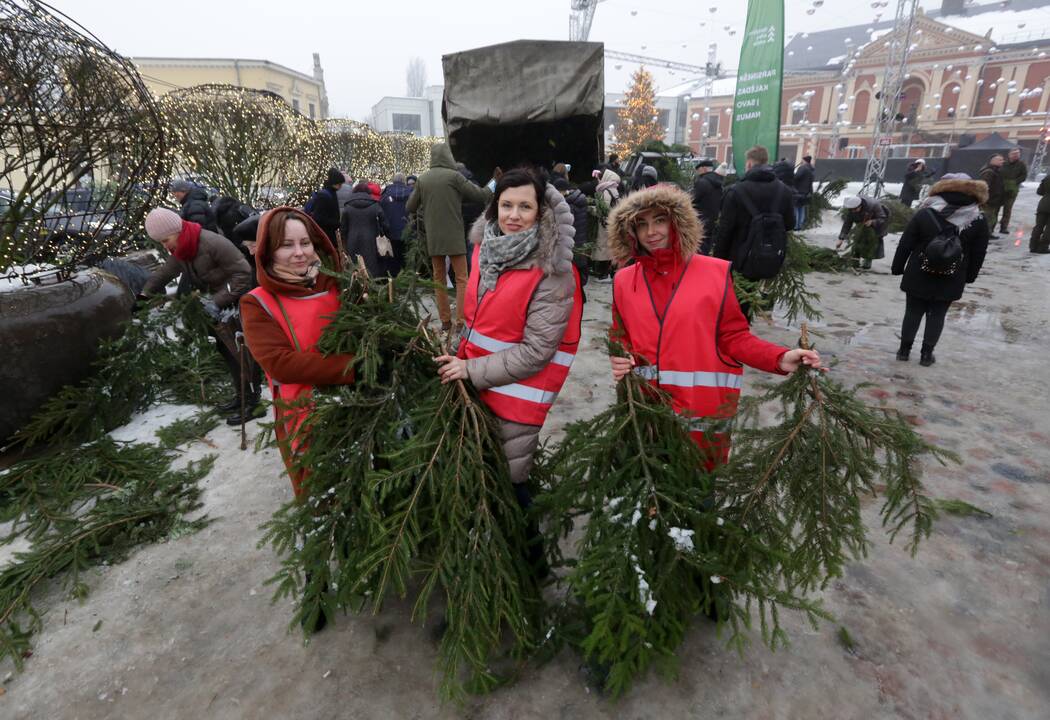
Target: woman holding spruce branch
677	315
523	311
284	317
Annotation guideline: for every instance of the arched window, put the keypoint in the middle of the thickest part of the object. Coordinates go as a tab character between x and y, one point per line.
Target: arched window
860	107
949	101
799	108
911	101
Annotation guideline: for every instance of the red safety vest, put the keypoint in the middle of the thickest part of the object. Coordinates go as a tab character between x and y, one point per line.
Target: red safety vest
302	319
683	347
499	324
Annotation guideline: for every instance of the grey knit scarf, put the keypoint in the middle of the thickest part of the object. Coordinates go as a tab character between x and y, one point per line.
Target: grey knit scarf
961	217
499	251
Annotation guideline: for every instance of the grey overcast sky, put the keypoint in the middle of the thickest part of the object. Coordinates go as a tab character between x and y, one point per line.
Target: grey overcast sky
365	46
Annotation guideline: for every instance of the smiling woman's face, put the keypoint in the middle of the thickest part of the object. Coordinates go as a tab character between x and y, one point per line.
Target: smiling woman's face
296	250
518	209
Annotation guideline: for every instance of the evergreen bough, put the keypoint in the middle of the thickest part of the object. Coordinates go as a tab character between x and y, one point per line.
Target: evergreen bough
80	508
408	492
665	540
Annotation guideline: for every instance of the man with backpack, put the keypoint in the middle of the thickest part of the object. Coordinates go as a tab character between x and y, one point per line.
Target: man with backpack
757	213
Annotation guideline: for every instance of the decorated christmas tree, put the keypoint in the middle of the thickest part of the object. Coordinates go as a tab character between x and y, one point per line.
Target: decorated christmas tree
638	120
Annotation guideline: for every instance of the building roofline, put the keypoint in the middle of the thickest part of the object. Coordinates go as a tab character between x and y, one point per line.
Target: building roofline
191	61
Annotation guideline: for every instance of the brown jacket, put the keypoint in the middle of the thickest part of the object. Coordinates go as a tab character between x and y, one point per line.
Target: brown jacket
545	323
219	268
270	347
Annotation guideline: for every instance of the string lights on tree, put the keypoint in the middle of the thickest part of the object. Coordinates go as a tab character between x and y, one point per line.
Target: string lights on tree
82	148
248	144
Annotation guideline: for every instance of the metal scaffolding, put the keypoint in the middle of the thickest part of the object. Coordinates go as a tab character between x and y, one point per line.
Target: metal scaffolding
889	97
581	16
1040	149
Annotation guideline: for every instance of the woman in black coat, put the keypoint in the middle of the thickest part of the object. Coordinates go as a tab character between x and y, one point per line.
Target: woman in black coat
362	221
954	200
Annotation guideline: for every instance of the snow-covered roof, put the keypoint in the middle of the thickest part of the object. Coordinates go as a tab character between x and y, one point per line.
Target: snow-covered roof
1022	22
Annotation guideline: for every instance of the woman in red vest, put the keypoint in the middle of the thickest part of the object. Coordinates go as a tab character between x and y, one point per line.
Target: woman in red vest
523	310
678	316
284	317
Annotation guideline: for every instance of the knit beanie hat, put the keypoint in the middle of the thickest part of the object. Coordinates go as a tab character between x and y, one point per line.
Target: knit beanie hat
180	186
161	222
851	202
956	176
649	171
335	177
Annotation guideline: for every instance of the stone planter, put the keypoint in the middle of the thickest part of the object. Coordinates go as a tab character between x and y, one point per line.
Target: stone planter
50	335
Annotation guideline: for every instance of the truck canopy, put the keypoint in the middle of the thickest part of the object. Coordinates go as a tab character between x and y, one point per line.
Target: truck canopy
526	102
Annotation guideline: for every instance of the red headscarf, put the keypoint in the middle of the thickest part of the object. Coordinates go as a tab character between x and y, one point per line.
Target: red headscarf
189	241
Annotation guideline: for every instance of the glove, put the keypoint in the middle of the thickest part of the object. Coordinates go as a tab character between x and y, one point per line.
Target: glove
212	309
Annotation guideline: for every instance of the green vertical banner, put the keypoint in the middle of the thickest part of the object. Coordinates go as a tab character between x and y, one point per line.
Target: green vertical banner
756	106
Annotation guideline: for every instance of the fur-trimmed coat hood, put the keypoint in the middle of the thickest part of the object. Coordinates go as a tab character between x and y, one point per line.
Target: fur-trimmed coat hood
623	245
977	189
555	250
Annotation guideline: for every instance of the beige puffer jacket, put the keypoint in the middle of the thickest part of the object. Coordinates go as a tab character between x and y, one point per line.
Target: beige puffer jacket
545	324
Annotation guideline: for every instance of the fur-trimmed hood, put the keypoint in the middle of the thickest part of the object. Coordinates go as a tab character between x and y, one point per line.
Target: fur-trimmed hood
554	253
623	246
977	189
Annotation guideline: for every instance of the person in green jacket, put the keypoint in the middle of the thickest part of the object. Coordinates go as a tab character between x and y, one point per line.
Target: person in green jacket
1040	240
437	199
1014	173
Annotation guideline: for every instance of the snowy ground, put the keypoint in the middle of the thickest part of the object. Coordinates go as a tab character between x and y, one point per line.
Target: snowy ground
961	631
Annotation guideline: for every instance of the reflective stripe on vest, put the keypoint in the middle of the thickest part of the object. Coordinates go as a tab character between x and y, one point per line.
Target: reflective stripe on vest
679	378
493	346
683	346
497	324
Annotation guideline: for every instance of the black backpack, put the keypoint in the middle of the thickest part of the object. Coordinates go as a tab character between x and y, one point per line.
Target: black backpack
762	253
943	254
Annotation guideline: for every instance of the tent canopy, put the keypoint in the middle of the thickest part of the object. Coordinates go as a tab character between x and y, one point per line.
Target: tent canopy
527	101
971	159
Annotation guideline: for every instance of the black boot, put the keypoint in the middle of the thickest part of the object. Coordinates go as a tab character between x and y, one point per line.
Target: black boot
252	411
926	357
232	406
904	352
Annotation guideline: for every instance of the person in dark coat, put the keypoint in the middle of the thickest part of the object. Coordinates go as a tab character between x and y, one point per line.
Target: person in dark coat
784	172
707	201
802	181
362	222
1014	172
229	211
1040	240
195	206
324	205
580	218
766	193
992	174
955	200
862	210
913	179
393	200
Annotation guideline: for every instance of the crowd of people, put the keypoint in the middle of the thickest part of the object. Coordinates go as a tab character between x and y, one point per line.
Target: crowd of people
520	249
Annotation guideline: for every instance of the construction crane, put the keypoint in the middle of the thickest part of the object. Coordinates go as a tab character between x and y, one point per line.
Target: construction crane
581	17
889	97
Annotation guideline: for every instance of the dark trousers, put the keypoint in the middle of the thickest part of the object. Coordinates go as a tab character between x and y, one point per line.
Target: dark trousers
1040	240
1008	207
253	377
915	309
991	214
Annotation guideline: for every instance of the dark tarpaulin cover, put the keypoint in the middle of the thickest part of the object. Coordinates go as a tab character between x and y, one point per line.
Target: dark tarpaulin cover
528	100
